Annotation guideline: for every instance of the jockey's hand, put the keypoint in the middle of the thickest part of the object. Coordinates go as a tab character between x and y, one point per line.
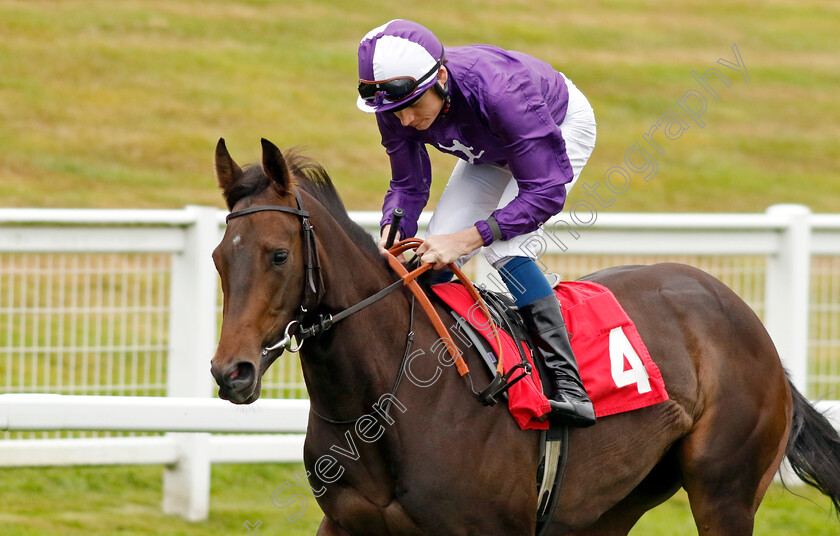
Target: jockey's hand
441	250
384	238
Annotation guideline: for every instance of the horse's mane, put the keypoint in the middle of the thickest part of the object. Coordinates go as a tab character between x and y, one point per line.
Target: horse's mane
313	179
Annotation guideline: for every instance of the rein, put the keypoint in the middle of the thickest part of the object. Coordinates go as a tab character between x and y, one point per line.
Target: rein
410	280
314	288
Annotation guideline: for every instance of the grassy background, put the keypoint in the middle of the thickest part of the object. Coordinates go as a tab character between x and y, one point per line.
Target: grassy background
126	500
113	104
119	104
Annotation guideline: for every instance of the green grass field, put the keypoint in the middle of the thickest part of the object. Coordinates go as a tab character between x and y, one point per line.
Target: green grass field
126	500
120	104
114	104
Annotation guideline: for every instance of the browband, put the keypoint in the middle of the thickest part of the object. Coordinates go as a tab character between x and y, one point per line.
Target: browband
251	210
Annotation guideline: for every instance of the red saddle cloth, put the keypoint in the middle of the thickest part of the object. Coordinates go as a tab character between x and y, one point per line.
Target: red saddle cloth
615	366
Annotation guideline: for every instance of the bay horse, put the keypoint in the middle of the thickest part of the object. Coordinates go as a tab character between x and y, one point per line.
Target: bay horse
424	458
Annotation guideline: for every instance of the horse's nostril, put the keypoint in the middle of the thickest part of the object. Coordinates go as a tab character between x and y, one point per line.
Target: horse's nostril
238	376
242	375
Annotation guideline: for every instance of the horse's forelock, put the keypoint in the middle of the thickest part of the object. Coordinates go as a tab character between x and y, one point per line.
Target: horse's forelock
252	182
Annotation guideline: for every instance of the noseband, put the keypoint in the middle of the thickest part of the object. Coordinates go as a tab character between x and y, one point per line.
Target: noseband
313	287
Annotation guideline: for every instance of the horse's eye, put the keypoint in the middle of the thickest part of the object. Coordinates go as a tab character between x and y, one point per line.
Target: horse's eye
280	257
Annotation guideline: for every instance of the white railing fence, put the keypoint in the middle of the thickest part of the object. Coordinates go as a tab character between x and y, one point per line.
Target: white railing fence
123	306
187	453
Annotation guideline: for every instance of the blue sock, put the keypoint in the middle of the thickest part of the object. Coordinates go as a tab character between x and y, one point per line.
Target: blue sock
525	280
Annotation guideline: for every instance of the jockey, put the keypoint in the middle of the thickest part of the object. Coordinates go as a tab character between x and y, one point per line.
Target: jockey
523	133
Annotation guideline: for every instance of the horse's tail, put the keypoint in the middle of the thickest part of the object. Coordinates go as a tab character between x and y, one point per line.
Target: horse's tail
813	449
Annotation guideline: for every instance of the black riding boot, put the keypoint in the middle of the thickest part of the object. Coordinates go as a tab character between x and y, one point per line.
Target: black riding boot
569	402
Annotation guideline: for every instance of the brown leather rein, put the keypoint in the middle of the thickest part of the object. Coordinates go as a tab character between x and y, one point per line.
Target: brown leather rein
409	279
314	289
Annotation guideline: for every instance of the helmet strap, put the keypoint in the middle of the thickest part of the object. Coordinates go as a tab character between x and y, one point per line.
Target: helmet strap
443	92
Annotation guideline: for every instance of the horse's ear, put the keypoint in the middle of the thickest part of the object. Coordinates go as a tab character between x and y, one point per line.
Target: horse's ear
227	172
275	167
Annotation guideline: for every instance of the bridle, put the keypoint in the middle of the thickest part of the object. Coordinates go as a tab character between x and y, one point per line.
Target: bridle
313	288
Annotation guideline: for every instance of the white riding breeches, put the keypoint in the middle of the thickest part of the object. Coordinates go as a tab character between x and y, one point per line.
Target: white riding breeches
474	191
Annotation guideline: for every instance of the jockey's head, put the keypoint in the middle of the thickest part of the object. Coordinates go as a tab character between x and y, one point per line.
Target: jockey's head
398	62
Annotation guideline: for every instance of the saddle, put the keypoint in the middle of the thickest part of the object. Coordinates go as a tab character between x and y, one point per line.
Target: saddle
553	439
500	311
616	368
504	315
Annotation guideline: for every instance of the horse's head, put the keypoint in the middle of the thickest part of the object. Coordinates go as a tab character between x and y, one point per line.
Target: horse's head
260	262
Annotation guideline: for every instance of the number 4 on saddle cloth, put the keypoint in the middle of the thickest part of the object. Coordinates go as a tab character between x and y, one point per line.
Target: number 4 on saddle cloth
615	366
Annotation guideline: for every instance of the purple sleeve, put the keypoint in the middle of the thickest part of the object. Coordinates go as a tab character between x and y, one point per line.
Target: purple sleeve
411	177
536	154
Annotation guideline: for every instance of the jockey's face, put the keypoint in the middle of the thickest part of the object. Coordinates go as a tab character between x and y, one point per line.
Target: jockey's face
423	112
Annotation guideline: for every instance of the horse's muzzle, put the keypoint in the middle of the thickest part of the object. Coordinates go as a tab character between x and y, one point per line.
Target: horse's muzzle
237	382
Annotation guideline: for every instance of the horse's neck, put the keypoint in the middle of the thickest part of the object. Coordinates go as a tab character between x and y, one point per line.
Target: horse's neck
354	361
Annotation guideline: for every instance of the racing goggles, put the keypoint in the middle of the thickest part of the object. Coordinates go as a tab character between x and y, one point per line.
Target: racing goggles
393	89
